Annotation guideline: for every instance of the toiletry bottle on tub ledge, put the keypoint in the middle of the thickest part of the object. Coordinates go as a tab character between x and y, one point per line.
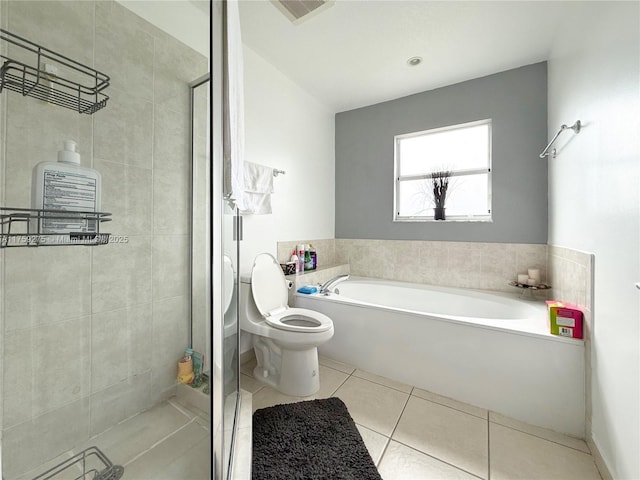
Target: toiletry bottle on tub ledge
295	260
301	257
314	256
308	262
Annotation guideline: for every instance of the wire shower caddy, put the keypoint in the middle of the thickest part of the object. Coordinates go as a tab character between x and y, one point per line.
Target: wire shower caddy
29	227
45	76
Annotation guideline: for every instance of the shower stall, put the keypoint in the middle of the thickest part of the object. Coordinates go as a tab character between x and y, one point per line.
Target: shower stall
91	331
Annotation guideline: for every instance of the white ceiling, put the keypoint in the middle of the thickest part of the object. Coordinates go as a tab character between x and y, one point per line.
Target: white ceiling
186	20
354	53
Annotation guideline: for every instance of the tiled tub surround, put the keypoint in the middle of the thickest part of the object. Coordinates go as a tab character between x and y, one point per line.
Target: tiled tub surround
91	334
571	274
486	266
325	249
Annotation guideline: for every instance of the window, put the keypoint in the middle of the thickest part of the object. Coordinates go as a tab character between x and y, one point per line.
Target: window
465	151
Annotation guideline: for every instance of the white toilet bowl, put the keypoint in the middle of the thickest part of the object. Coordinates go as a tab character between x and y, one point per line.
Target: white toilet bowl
285	339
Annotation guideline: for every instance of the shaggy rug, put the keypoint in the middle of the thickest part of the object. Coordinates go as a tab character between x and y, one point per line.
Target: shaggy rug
315	439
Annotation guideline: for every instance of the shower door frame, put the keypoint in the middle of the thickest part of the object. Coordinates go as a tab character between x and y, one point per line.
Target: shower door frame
222	464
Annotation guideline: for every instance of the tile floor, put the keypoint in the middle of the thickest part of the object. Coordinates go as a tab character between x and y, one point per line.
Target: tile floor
167	442
414	434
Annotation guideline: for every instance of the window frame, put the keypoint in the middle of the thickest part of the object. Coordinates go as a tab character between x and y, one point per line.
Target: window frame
488	217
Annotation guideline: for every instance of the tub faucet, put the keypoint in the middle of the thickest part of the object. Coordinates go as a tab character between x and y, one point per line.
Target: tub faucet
324	289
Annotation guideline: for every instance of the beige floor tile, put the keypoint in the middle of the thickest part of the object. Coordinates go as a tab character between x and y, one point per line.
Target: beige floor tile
343	367
387	382
250	384
400	462
330	381
547	434
450	402
374	442
447	434
518	455
247	368
371	405
268	397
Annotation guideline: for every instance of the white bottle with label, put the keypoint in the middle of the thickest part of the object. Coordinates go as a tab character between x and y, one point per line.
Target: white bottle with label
66	185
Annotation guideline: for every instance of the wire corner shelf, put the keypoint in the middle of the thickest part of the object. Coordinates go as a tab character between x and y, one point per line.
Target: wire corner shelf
30	227
45	75
89	464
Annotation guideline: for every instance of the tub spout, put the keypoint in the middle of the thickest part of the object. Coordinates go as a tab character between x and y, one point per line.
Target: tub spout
324	289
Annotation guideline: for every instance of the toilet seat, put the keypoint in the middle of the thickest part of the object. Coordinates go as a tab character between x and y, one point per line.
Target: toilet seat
268	286
291	319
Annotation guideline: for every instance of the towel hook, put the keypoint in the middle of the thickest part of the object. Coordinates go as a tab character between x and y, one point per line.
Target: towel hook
277	172
575	127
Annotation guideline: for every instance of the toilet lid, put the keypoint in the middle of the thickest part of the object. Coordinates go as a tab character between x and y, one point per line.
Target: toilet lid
268	285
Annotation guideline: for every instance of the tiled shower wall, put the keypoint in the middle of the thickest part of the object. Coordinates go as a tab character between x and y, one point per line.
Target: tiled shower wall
91	335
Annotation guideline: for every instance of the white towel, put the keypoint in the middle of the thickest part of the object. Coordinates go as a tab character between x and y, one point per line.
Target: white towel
258	187
233	108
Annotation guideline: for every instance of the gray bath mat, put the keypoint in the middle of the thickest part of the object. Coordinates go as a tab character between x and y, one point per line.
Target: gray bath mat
316	439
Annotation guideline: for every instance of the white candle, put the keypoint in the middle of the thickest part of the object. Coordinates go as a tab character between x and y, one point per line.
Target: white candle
522	278
532	282
534	273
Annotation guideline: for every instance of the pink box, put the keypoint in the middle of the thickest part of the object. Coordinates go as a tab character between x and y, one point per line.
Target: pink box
565	319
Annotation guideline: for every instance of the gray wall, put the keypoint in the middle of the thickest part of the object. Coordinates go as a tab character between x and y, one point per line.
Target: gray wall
515	100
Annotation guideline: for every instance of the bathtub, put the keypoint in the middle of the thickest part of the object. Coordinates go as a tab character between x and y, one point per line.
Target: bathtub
488	349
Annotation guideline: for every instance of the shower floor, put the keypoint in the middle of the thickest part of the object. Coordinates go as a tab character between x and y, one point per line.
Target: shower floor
167	442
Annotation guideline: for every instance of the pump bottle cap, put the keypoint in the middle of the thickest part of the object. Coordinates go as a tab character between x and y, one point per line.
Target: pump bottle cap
70	153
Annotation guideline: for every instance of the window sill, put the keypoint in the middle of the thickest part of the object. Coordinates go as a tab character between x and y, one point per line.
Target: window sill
448	220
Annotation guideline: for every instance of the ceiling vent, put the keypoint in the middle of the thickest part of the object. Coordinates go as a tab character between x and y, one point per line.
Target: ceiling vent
299	11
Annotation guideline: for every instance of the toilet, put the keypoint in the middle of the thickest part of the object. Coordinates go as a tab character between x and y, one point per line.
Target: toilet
285	339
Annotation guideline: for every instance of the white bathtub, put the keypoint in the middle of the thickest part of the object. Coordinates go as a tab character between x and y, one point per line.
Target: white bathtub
489	350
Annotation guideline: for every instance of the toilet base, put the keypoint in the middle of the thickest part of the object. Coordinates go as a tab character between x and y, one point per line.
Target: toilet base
294	373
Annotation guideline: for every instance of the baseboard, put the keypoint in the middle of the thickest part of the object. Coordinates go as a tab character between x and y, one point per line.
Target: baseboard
600	463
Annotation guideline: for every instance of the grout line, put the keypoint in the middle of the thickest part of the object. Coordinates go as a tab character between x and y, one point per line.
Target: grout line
438	459
184	411
384	450
382	384
159	442
544	438
488	448
400	416
485	417
339	386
